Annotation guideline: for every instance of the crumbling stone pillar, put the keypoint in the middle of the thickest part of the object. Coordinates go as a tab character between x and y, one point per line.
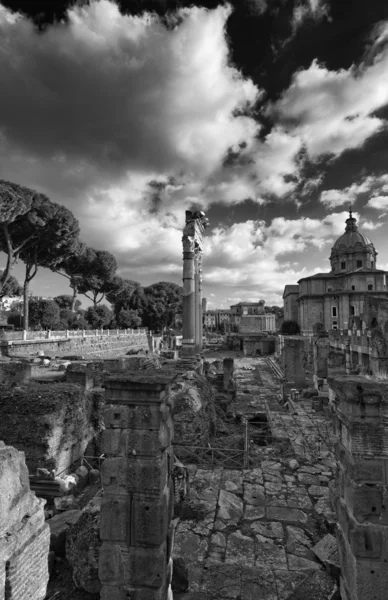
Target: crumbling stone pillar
24	535
361	491
137	508
192	283
294	362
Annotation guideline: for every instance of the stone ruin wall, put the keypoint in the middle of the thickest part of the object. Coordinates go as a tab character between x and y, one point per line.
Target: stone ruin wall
360	494
51	423
24	535
88	346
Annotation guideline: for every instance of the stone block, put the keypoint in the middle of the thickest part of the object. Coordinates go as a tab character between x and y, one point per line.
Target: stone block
111	566
120	475
135	389
115	518
149	520
366	502
145	416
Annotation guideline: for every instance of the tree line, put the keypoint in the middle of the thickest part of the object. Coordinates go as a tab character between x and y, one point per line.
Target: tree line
41	233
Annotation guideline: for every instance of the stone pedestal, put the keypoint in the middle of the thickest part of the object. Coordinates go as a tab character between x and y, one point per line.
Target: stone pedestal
361	490
137	507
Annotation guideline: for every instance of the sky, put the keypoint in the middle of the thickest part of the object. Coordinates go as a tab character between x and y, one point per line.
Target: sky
269	115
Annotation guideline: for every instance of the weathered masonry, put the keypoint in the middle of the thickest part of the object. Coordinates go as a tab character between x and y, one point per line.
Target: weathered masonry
361	491
138	503
192	283
24	535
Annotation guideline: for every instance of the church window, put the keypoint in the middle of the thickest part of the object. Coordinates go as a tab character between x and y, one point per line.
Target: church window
359	264
334	311
343	265
370	286
352	310
372	264
353	287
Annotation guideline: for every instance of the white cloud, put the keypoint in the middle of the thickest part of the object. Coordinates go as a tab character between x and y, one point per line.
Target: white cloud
332	111
378	202
124	91
250	255
370	225
334	198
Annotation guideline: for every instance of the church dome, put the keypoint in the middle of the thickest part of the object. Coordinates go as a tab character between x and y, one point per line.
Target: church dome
352	236
353	249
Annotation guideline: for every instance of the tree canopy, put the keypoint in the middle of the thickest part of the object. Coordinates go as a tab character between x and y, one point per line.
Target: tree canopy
96	278
53	233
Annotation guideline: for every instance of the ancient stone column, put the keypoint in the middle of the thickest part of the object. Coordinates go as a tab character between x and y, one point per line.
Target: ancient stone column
360	494
192	283
198	302
188	325
138	502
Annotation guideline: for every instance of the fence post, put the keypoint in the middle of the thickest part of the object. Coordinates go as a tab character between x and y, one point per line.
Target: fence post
48	334
83	333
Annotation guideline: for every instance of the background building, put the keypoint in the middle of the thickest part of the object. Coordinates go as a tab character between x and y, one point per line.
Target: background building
290	303
334	298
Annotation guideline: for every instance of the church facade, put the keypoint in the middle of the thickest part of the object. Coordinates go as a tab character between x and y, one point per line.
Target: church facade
333	298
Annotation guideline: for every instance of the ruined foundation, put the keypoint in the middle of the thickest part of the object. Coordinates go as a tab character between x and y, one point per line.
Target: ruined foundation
361	493
24	535
136	512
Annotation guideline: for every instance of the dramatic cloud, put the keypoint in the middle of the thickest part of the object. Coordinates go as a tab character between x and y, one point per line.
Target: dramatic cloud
334	198
251	255
128	121
333	111
123	91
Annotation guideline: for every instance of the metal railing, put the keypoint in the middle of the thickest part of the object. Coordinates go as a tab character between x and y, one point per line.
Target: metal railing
232	458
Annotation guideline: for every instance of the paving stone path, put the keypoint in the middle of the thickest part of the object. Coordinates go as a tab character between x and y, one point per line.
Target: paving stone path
259	526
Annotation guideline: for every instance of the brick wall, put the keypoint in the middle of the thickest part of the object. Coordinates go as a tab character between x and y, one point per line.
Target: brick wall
24	535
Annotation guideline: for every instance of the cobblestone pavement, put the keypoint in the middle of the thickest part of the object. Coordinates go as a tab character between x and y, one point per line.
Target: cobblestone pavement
257	528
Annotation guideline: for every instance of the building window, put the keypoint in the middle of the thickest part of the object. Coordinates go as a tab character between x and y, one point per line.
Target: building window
353	287
329	289
370	286
343	265
335	325
333	311
352	310
372	264
359	264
